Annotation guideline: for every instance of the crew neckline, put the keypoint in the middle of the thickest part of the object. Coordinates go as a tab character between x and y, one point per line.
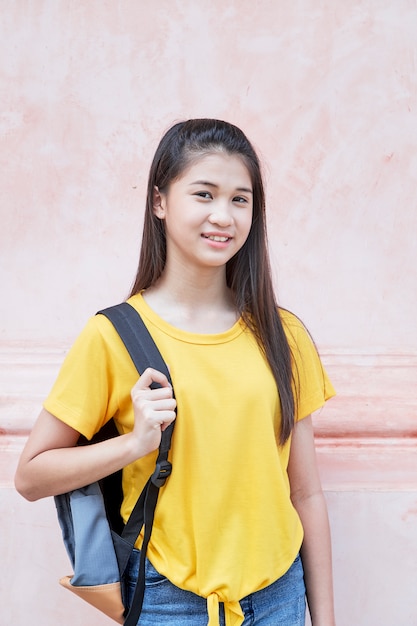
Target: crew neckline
139	303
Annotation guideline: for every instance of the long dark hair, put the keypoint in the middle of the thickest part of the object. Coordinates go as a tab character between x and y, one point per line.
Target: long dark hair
248	273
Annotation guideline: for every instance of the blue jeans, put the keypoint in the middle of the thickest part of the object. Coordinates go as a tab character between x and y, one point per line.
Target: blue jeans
280	604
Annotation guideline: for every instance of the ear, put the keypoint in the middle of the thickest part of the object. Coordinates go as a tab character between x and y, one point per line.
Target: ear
158	203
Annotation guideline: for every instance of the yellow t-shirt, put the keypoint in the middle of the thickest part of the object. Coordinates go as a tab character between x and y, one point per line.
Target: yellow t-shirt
224	524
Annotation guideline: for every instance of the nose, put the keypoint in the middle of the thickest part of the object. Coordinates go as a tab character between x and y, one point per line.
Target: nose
221	215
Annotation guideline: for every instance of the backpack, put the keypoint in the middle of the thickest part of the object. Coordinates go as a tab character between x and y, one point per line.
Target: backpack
98	544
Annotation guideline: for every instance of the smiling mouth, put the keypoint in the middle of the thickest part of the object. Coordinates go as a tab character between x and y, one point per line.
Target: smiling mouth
217	238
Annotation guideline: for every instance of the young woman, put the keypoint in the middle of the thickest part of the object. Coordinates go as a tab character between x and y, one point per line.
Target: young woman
244	499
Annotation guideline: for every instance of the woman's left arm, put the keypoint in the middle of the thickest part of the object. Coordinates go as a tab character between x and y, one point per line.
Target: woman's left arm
308	499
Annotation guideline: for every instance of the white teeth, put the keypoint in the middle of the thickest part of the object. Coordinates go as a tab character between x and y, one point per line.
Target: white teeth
215	238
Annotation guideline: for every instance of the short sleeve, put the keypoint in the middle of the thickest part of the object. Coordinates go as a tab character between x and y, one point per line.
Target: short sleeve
312	384
84	395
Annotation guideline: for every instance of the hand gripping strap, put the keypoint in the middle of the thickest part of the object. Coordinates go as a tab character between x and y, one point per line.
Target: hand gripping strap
144	353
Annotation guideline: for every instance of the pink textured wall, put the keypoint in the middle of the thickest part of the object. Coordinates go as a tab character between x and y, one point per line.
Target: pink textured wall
328	93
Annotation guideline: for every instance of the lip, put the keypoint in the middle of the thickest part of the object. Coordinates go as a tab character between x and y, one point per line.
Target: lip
216	240
217	237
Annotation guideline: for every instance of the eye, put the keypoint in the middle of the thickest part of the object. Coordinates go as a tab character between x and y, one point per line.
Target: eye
240	200
204	194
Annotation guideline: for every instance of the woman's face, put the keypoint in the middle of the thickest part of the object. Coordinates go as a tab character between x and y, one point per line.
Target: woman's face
207	211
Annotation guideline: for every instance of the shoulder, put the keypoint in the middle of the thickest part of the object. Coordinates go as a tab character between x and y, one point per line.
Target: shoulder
98	340
303	349
290	319
98	330
294	328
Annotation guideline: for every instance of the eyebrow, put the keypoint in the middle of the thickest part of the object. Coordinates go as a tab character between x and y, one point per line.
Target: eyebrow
209	184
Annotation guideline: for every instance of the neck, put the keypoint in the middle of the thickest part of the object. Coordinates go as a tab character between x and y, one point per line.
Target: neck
200	303
194	288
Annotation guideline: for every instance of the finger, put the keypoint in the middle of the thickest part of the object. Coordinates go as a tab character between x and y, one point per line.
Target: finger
150	395
163	419
150	376
155	399
167	423
149	407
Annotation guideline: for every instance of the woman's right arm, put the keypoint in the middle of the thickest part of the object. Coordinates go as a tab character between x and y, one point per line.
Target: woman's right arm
51	463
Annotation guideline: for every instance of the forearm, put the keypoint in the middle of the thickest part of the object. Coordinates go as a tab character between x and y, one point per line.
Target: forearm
63	469
317	559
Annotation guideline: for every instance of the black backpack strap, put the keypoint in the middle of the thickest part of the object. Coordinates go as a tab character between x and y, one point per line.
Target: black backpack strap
136	337
144	353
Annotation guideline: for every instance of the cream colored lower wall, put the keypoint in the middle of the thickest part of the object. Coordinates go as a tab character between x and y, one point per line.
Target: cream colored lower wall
375	547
